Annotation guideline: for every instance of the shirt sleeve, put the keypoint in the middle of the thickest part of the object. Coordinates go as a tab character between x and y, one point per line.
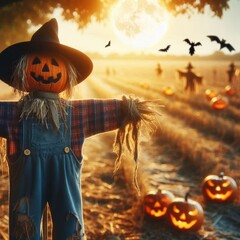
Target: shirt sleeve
4	107
96	116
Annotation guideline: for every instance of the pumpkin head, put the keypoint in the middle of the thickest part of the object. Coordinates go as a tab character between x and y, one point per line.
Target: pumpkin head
46	73
219	102
156	203
219	189
185	214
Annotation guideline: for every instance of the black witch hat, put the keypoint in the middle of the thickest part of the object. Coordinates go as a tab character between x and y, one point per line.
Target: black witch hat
45	39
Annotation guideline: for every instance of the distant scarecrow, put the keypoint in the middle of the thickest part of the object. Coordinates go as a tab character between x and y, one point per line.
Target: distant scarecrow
191	78
45	132
159	70
231	72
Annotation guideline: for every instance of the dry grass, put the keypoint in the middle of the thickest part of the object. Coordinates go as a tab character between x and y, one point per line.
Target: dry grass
189	121
191	142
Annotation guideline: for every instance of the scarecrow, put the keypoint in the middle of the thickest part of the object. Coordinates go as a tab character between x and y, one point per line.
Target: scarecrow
231	72
45	132
159	70
191	78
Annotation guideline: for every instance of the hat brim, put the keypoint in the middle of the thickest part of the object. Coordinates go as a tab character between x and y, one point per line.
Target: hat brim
10	56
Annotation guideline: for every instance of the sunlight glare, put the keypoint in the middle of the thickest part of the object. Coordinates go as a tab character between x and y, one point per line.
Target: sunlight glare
139	23
68	32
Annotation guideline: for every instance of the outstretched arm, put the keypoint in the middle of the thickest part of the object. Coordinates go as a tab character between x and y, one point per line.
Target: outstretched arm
128	115
7	117
95	116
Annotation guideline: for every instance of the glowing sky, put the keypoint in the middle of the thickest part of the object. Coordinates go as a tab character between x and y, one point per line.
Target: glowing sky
96	35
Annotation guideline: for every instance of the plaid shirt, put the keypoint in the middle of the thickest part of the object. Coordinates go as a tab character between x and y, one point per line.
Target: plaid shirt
89	117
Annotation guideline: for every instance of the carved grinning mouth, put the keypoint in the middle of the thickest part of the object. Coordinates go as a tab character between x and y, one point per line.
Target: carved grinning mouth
182	224
220	196
156	212
46	81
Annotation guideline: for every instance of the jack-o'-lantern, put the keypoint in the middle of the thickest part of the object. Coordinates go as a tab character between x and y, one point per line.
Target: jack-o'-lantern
156	203
219	102
230	91
210	94
219	189
185	214
46	73
168	91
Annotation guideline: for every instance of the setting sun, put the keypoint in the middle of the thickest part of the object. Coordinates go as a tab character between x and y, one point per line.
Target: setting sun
139	23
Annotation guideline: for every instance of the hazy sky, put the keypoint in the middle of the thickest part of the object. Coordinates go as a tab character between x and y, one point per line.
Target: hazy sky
96	35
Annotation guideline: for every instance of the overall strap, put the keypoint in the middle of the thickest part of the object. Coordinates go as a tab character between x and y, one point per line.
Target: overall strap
65	131
68	128
26	134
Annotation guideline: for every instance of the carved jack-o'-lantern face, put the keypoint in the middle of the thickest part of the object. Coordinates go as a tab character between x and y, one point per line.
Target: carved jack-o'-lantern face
219	189
185	215
46	73
156	203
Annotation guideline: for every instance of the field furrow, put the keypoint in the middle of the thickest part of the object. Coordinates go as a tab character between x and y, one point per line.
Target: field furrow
170	169
195	101
204	119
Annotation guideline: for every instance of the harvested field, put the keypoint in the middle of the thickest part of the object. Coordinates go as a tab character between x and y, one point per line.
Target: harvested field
192	141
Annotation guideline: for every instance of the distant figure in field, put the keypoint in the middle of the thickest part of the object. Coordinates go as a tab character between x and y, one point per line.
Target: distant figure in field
231	72
214	74
107	71
159	70
191	78
110	71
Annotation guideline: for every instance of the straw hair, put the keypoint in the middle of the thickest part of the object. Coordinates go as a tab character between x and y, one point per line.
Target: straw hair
141	117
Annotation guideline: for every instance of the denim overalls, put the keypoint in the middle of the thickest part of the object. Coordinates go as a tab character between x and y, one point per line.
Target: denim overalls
46	172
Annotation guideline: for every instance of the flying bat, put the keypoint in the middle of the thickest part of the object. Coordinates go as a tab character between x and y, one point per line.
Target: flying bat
108	44
222	43
192	45
165	49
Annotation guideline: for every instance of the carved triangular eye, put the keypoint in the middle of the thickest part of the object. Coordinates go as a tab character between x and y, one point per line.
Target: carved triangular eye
54	62
226	184
175	209
193	212
36	60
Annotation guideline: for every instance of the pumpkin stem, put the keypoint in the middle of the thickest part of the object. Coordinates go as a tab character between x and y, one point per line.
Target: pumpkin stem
186	196
159	190
221	175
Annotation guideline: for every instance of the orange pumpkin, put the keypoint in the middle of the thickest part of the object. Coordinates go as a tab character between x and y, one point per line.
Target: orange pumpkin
46	73
168	91
210	93
219	102
230	91
185	214
219	189
156	203
144	85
